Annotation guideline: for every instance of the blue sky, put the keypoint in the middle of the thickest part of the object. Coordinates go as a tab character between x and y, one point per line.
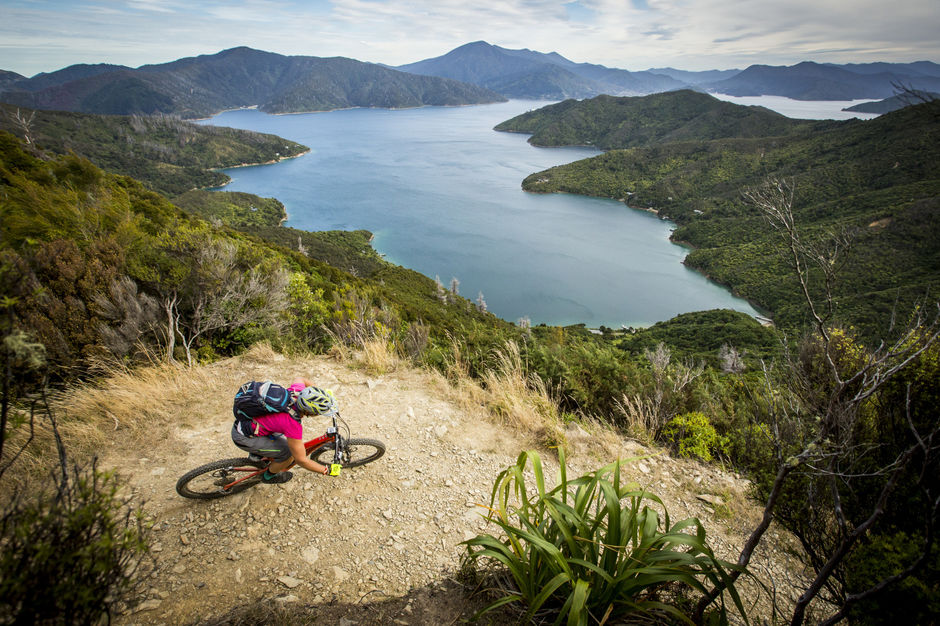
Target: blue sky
45	35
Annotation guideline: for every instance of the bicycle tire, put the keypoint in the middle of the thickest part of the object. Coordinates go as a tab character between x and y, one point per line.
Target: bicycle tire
358	452
203	483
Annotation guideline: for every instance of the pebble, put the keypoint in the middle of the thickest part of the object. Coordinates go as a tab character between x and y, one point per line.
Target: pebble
287	599
289	581
149	605
310	554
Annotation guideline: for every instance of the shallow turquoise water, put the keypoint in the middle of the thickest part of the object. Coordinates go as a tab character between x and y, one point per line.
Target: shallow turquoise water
442	192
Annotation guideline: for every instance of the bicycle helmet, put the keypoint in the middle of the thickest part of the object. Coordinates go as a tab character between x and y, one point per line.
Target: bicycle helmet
316	401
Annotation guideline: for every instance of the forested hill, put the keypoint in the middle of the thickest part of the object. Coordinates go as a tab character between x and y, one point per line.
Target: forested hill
609	122
878	181
167	154
239	77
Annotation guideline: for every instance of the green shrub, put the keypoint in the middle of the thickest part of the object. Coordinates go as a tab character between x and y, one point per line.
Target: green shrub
693	435
70	553
913	600
575	553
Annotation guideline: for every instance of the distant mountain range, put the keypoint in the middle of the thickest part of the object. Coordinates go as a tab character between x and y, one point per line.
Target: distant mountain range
537	75
814	81
239	77
474	73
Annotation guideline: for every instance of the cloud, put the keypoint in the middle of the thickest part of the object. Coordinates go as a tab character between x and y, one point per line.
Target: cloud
43	35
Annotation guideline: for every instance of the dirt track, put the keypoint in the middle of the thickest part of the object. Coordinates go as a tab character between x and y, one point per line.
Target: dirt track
380	531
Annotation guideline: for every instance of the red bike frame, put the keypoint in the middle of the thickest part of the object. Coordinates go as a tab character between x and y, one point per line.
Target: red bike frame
330	435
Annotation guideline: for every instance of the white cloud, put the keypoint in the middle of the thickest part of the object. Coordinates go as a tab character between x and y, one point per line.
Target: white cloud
635	34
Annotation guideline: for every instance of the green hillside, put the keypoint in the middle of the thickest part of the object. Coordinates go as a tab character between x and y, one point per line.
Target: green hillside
167	154
878	180
610	123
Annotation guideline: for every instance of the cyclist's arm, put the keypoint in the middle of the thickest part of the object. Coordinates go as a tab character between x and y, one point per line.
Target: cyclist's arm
296	447
300	380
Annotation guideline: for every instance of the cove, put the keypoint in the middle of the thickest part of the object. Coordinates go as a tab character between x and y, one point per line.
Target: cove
442	193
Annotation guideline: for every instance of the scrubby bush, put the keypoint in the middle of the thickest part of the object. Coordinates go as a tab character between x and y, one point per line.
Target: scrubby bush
69	553
693	435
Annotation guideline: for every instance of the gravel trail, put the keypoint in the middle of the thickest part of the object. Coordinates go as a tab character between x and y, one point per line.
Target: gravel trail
376	532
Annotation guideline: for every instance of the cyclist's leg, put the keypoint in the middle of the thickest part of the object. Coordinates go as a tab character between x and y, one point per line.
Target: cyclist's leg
273	447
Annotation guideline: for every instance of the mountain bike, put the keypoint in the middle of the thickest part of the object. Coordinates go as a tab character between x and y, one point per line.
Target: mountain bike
228	476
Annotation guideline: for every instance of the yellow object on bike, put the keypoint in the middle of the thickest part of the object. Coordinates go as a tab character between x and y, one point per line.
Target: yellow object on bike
335	469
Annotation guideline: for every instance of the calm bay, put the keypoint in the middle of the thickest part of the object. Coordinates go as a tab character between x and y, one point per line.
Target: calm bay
442	193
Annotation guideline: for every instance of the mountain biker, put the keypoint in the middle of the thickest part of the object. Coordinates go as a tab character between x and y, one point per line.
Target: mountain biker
279	436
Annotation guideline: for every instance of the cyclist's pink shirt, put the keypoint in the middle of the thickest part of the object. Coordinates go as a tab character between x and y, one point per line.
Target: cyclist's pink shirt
281	422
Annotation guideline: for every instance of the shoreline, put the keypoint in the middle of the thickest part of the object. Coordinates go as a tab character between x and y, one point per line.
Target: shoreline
764	316
240	165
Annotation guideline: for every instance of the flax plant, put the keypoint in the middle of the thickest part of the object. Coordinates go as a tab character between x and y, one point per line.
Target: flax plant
593	549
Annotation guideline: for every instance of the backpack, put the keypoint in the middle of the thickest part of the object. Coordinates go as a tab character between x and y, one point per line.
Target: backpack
256	399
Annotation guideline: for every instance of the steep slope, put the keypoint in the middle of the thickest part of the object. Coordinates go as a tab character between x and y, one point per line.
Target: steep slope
382	531
8	78
239	77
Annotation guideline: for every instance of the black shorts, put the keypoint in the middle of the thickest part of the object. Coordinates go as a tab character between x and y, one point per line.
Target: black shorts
271	446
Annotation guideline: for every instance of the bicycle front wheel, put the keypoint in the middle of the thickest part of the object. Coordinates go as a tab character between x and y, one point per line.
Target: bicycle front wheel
356	452
220	478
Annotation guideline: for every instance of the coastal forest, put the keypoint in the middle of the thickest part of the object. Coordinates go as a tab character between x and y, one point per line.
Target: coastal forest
114	254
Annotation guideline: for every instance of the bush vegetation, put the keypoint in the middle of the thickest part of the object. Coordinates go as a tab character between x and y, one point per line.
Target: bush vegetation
591	549
72	549
165	153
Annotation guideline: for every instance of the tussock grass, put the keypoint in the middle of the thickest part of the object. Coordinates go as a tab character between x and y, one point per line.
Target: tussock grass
508	394
525	403
377	356
123	405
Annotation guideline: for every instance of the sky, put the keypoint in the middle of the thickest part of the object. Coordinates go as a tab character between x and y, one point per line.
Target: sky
46	35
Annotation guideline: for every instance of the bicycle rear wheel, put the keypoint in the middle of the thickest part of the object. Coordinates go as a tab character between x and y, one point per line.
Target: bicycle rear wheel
217	479
356	452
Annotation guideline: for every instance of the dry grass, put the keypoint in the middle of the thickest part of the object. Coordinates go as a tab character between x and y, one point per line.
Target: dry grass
377	356
123	405
132	407
507	393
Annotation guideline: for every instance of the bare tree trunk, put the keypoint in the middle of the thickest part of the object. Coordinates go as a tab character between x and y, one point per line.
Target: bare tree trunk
169	305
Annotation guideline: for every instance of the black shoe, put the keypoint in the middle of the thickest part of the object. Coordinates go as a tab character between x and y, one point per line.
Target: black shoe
280	477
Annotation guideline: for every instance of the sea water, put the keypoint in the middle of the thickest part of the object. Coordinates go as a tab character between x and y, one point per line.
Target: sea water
441	191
